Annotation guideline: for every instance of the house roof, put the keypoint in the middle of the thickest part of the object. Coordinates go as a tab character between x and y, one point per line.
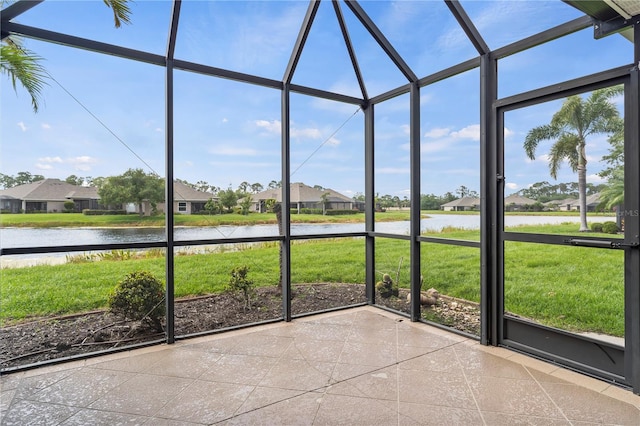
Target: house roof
50	190
592	200
560	202
302	193
463	202
518	200
182	192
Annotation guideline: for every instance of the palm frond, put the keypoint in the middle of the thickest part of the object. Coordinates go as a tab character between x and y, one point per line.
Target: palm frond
121	11
564	149
537	135
22	65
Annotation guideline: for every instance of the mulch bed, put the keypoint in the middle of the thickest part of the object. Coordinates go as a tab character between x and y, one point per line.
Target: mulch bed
60	337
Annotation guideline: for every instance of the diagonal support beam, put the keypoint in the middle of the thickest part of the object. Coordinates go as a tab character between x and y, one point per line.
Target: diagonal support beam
381	39
352	53
302	39
467	26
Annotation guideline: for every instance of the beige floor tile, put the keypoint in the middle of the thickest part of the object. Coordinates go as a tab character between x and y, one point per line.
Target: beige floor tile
434	388
513	396
373	335
136	363
215	344
263	397
425	414
10	381
503	419
143	395
479	363
441	361
206	402
295	374
23	412
581	404
267	406
317	331
314	350
378	355
97	418
349	410
32	384
156	421
6	398
378	384
259	344
82	388
239	369
366	319
183	362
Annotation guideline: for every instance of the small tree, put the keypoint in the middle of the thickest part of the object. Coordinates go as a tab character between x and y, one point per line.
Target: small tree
245	204
133	186
212	206
139	296
68	206
228	199
240	283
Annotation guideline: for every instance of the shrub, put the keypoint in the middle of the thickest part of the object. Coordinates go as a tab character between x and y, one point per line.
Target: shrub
90	212
386	287
239	283
340	212
609	227
68	206
596	227
139	296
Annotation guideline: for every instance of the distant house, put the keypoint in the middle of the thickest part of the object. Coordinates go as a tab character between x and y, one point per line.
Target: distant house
187	200
48	195
593	201
515	202
561	205
304	197
462	204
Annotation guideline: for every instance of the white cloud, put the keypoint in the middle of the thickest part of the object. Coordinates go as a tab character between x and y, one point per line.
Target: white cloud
22	126
41	166
50	160
225	120
470	132
82	163
511	185
437	132
405	129
46	126
159	130
333	142
273	126
309	132
595	179
229	150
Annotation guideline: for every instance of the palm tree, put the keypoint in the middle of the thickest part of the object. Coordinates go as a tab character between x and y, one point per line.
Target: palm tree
576	120
23	66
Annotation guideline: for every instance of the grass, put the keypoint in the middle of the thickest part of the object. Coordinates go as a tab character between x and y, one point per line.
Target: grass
574	288
48	220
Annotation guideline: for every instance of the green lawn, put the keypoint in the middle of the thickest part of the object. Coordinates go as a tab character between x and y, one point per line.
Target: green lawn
575	288
43	220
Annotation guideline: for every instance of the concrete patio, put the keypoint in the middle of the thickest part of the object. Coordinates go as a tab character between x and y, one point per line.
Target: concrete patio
361	366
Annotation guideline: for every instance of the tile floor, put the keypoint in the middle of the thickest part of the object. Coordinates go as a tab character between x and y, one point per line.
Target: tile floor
362	366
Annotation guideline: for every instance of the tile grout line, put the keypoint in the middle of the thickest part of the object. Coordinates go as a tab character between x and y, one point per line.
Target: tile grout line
547	394
466	380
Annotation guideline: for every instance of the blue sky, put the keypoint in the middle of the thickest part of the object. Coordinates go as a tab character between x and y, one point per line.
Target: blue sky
227	132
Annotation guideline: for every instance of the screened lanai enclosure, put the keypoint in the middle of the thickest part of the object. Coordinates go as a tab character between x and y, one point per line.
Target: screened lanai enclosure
529	111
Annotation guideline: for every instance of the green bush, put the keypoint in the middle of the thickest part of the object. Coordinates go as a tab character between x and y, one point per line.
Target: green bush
139	296
609	227
68	206
340	212
596	227
240	283
90	212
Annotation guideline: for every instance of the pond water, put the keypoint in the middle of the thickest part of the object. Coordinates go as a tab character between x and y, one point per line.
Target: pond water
47	237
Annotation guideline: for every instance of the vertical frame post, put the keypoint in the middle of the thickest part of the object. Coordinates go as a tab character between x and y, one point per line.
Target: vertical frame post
286	202
168	195
369	203
631	215
489	203
414	159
